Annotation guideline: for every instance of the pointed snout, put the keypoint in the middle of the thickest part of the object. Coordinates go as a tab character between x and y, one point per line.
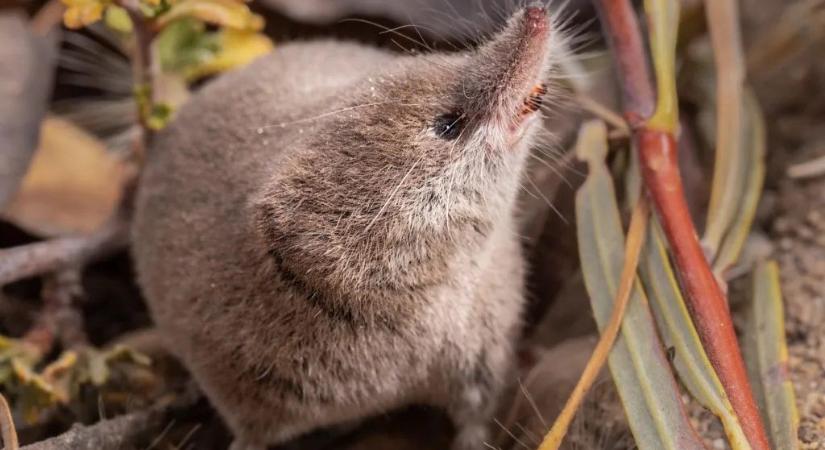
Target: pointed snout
520	49
514	63
535	19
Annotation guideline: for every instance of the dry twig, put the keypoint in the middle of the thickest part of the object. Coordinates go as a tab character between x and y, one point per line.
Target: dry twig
35	259
808	169
9	433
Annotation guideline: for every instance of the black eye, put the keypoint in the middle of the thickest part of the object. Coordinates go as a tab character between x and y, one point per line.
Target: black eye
449	126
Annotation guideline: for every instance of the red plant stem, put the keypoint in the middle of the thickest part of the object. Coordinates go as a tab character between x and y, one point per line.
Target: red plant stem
660	171
625	40
707	303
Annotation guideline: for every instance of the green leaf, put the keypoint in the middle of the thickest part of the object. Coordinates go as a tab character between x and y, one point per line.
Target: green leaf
766	354
676	326
739	167
235	49
154	115
749	174
183	44
187	49
159	115
638	364
118	19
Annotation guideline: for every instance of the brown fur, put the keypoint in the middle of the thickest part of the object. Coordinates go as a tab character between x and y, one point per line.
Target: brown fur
316	254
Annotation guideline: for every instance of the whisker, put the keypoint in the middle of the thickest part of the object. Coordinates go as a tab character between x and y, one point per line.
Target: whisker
547	201
510	433
387	29
332	113
394	191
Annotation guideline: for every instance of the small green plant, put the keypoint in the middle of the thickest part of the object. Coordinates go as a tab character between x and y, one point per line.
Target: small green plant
171	45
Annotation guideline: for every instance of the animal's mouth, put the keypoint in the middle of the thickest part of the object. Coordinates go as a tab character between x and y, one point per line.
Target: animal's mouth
533	100
531	104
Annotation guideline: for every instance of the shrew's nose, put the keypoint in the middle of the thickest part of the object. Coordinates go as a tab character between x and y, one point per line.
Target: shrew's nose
535	18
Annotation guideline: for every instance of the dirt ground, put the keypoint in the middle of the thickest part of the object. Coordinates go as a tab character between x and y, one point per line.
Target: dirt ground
792	213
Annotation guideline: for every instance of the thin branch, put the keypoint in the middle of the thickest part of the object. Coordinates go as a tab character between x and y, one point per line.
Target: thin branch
633	246
625	40
59	318
141	55
48	17
134	430
808	169
723	18
30	260
113	434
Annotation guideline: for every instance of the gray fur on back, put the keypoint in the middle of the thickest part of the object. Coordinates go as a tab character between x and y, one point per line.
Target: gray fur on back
315	255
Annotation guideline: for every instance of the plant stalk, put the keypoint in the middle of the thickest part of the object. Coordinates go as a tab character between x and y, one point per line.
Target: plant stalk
658	157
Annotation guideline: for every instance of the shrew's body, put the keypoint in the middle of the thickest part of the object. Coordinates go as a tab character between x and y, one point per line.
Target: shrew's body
329	233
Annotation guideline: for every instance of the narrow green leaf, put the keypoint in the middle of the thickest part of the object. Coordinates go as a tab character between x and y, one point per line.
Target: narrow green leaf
723	23
750	174
638	364
767	356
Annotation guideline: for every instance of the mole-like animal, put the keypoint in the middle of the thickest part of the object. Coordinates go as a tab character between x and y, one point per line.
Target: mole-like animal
330	232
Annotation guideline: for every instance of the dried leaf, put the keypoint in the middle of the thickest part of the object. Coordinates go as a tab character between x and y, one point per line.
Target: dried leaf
17	349
122	353
72	186
62	381
35	395
59	376
638	364
25	84
80	13
767	358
